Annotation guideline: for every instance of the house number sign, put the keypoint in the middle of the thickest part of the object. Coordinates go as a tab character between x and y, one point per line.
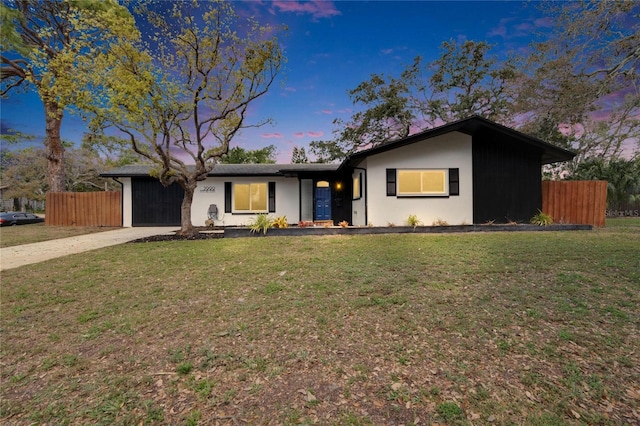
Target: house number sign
209	188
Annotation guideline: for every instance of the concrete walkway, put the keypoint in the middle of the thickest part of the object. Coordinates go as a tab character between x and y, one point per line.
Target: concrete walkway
27	254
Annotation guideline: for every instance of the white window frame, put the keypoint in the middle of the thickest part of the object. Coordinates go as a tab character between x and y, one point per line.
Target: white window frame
422	192
251	209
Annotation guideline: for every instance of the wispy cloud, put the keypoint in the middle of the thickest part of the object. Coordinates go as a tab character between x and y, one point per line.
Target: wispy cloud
501	29
327	111
288	91
316	8
272	135
395	51
311	134
524	28
545	22
509	28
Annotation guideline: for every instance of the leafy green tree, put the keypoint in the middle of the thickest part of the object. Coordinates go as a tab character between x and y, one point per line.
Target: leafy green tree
25	172
14	137
83	169
49	46
299	156
465	80
181	103
387	115
237	155
468	81
588	61
114	151
622	176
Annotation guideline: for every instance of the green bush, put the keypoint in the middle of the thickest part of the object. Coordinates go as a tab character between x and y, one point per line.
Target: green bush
413	220
541	219
261	223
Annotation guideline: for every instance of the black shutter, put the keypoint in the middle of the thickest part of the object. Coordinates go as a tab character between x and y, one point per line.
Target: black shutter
454	181
272	197
391	182
227	197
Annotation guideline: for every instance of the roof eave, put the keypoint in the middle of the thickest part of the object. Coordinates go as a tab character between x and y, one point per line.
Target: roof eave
123	175
469	126
245	170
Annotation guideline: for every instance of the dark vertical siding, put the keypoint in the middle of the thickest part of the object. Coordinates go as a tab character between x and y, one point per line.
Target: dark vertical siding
507	180
153	204
341	199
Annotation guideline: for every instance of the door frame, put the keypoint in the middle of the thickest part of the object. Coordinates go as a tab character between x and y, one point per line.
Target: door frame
326	190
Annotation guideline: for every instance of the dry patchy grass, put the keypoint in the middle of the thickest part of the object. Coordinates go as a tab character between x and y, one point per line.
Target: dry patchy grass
534	328
34	233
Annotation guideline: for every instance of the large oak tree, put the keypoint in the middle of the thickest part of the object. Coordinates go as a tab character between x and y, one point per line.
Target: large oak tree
49	46
465	80
181	101
584	78
468	80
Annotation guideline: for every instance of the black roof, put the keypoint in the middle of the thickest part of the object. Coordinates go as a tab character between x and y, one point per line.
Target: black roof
472	125
136	170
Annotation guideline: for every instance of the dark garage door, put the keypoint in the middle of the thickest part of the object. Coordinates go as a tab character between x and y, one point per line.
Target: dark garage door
155	205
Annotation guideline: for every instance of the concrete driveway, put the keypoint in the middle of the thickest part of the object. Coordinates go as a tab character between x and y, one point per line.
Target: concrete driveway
16	256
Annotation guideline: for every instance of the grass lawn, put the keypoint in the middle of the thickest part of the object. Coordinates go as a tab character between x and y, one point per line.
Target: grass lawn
532	328
34	233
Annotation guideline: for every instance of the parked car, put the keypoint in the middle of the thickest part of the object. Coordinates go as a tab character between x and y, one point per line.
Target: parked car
17	218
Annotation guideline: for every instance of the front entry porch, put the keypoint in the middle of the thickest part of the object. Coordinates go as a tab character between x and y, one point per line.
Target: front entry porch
325	200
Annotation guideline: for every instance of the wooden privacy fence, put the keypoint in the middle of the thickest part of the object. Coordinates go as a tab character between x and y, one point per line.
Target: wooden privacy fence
575	201
84	209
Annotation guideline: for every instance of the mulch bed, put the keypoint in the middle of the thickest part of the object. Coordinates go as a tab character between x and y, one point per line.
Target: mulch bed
198	234
206	233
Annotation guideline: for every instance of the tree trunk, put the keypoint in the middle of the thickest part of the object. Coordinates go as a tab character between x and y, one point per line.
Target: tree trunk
186	228
54	149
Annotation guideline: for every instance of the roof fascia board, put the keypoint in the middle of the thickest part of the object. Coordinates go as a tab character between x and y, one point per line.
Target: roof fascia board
287	172
469	126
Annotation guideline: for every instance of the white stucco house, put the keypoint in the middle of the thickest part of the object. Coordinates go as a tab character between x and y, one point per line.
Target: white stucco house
466	172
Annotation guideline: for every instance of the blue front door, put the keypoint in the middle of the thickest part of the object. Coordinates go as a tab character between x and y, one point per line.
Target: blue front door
323	203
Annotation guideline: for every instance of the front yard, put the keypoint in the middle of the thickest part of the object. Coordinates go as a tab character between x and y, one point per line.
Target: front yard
34	233
533	328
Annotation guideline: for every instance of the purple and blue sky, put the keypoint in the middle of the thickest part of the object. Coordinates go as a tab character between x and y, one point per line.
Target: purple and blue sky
331	47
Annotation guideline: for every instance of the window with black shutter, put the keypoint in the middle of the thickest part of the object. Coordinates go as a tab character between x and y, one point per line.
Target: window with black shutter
272	197
454	181
227	197
391	182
